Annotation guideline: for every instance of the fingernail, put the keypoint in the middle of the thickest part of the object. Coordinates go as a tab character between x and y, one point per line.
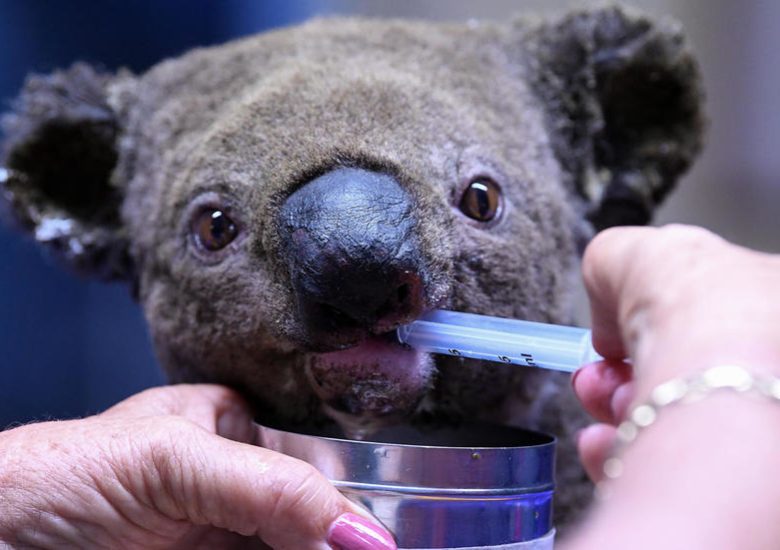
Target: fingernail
352	532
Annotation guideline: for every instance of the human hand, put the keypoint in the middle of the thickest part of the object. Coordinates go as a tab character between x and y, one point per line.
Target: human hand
676	301
170	467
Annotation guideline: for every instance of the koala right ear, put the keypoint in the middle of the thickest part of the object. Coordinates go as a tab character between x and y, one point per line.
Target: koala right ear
624	102
58	159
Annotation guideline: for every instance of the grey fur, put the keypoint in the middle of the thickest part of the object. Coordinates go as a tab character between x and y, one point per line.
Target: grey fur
552	111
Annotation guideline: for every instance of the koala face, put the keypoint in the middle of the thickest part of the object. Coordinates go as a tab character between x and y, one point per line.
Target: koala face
375	190
283	203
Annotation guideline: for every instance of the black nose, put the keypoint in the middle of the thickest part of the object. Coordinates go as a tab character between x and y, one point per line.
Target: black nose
353	255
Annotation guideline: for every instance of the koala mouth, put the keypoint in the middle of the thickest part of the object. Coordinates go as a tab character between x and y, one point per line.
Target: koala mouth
373	384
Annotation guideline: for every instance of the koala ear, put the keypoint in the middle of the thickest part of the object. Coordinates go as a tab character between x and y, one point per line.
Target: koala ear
624	102
59	155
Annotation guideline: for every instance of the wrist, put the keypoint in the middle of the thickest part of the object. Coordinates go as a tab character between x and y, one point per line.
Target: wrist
697	477
663	355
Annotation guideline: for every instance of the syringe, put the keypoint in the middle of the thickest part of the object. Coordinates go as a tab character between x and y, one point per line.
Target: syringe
502	340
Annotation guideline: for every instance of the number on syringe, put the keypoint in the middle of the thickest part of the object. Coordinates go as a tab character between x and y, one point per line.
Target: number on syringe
529	360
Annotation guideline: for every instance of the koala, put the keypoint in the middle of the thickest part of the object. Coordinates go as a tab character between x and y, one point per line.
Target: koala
280	204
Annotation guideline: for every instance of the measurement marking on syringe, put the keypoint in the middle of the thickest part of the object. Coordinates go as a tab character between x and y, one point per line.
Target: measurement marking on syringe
529	360
484	340
508	341
527	357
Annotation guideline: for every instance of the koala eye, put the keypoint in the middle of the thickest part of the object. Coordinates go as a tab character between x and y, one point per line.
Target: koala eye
213	229
481	200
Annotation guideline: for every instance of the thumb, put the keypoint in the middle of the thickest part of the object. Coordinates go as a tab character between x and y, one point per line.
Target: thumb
210	480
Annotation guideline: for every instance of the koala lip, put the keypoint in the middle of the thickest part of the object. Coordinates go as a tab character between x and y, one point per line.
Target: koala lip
372	384
328	341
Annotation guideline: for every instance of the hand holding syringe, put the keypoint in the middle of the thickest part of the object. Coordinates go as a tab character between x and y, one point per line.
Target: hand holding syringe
502	340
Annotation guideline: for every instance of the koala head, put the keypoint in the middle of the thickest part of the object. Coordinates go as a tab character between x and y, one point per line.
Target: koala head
280	204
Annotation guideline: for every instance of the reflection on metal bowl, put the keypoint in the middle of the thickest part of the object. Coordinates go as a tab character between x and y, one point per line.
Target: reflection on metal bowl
475	486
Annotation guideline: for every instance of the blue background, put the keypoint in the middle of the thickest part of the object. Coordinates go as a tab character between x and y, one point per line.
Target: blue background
70	347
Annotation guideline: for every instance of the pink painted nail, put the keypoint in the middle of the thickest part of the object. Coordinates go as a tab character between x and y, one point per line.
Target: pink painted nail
352	532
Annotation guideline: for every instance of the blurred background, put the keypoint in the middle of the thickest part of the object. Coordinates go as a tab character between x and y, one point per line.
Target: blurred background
70	347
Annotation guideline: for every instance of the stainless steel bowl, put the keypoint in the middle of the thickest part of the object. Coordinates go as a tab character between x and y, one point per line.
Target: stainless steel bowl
475	487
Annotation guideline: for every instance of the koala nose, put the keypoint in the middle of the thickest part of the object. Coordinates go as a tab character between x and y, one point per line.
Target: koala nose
352	253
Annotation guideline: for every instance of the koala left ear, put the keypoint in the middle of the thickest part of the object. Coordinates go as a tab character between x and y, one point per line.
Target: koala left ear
58	159
624	101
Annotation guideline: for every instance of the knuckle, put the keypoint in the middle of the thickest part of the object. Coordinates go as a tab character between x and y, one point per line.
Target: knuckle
675	269
301	493
594	256
689	256
152	400
170	424
605	244
601	242
686	238
171	456
168	439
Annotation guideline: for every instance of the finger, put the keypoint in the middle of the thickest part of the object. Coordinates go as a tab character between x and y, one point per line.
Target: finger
215	408
606	266
211	537
596	384
638	276
595	444
678	297
256	492
621	401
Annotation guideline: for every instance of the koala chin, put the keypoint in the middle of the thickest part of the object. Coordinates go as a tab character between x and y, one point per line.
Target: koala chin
282	203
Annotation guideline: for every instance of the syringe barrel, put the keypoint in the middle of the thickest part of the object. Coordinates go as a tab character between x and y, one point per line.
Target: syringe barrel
504	340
